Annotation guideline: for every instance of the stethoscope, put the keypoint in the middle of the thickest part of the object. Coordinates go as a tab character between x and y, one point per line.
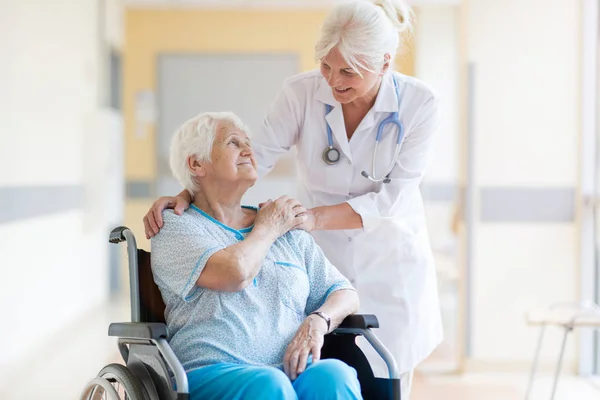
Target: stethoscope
331	155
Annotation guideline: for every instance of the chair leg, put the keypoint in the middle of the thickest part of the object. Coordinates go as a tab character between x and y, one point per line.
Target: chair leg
534	364
560	360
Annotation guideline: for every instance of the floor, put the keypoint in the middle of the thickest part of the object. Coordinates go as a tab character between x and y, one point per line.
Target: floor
60	370
501	387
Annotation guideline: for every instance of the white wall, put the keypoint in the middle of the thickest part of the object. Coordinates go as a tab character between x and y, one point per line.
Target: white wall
436	63
526	130
54	267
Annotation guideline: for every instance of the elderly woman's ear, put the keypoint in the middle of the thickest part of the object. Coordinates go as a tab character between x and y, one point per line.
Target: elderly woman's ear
195	166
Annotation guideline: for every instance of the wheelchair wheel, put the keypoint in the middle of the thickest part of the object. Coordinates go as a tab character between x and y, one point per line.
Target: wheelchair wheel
115	382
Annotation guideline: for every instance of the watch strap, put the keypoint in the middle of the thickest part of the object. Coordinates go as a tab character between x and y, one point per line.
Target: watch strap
325	317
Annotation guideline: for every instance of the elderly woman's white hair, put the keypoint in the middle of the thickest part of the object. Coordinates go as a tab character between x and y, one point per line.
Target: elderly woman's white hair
195	139
364	31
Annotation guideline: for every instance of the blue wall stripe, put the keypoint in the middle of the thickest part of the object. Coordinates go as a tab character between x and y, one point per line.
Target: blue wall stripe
139	189
20	202
527	204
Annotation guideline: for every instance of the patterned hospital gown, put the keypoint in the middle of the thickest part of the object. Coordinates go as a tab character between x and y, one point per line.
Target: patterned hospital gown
252	326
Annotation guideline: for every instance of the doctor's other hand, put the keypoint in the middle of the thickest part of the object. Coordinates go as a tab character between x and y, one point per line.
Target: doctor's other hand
310	223
153	219
280	216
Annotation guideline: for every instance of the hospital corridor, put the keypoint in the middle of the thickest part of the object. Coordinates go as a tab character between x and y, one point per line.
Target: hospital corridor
440	238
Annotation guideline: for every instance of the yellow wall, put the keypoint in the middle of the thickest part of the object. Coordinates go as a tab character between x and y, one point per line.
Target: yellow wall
151	32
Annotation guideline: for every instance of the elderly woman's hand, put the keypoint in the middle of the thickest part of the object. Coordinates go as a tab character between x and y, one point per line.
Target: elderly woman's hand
281	215
308	340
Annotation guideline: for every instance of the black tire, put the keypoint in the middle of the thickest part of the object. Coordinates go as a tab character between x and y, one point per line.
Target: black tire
132	386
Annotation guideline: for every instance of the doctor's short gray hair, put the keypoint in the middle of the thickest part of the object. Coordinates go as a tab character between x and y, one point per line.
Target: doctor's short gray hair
364	31
195	139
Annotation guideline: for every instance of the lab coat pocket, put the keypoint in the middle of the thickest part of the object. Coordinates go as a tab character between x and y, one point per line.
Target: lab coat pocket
293	286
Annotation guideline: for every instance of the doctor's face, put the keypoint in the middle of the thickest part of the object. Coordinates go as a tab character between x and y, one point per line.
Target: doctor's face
232	158
346	84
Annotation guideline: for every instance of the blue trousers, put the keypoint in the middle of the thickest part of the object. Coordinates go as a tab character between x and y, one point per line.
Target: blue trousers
328	379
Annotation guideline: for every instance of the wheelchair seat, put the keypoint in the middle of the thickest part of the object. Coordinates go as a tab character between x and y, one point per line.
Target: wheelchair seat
152	370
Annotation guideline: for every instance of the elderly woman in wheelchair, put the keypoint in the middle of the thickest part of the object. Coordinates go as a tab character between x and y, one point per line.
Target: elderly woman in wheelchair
248	298
233	302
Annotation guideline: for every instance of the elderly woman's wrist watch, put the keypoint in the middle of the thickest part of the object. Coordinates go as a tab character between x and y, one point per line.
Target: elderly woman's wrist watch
323	315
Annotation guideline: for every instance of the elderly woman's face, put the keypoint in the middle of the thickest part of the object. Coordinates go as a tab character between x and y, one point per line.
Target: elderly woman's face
346	84
232	158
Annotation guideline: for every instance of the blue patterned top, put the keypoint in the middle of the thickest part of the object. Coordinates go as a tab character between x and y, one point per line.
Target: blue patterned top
251	326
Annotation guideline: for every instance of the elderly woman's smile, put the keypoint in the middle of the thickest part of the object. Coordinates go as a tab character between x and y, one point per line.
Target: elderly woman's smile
231	148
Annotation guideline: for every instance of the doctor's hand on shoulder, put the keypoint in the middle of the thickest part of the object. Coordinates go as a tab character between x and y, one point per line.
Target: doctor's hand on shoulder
310	223
153	221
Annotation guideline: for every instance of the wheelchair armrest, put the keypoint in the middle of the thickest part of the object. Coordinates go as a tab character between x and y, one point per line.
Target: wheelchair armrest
360	321
138	330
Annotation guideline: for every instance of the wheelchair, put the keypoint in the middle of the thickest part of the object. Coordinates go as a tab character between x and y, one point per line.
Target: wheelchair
151	370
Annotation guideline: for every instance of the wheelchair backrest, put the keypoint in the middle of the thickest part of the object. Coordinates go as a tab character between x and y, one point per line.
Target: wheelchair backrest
152	307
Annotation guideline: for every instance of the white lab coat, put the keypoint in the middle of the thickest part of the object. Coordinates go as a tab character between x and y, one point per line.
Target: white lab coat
389	261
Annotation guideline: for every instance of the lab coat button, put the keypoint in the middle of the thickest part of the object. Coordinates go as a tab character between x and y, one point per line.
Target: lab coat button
347	197
349	239
349	162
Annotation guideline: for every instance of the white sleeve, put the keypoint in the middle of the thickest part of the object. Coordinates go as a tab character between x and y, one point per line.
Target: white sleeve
415	156
279	131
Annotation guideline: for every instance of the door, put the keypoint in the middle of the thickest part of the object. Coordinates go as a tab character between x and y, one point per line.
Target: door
245	84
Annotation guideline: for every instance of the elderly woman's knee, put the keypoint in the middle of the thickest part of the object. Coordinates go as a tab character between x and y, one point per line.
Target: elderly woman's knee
334	368
271	383
335	372
327	380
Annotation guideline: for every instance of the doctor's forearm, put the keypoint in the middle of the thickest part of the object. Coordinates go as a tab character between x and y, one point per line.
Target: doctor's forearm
340	216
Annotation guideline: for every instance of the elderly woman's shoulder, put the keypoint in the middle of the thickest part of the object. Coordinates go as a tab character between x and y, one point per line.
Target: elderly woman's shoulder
171	219
299	236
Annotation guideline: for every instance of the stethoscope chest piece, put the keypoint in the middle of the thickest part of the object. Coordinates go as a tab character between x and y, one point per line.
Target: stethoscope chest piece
331	155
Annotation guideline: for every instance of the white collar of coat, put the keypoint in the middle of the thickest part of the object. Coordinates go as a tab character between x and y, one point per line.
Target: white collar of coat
386	100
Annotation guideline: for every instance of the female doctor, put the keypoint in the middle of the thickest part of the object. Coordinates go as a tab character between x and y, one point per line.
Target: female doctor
364	136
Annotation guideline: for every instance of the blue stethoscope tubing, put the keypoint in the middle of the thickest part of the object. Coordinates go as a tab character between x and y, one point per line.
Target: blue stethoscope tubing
331	155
